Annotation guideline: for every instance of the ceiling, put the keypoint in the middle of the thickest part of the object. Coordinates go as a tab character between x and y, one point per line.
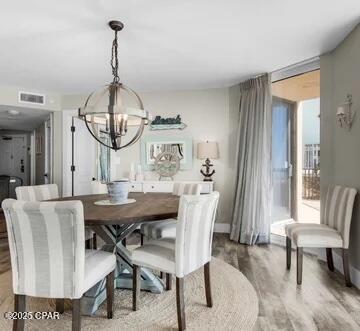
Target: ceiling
298	88
64	46
28	119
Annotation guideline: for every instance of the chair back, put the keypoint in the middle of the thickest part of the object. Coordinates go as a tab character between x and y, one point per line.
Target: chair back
186	188
194	231
337	210
98	187
47	247
37	192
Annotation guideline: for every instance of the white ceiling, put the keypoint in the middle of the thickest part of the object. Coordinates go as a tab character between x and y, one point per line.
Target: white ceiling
28	119
64	46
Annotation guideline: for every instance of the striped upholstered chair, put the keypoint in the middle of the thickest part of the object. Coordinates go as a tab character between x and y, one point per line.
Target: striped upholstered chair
167	228
48	256
98	187
48	192
333	232
189	251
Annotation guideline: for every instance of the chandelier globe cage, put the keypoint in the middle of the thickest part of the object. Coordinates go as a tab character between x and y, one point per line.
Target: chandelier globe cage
115	115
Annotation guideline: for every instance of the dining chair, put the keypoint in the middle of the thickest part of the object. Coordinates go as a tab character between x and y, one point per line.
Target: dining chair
48	192
167	228
332	232
48	256
98	187
189	251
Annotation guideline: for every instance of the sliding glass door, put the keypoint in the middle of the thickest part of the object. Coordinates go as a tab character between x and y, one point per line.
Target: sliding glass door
281	159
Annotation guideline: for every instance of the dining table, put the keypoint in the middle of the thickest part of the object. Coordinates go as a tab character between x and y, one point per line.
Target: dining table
113	223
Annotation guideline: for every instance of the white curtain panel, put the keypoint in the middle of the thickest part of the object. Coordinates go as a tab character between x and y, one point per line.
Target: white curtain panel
252	208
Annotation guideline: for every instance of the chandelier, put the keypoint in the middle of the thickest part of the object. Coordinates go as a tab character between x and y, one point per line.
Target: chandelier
115	111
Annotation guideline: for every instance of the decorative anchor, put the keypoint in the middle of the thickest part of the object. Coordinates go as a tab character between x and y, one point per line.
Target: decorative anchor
207	175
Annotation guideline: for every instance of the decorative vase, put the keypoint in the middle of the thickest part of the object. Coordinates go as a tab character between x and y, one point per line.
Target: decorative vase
118	190
139	174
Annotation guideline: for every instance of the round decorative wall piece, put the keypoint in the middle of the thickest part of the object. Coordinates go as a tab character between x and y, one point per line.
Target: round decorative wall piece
167	164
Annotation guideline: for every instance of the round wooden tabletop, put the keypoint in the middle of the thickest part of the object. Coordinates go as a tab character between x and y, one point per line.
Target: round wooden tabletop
148	207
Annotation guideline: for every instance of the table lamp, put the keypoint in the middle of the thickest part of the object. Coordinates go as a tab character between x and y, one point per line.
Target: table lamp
206	151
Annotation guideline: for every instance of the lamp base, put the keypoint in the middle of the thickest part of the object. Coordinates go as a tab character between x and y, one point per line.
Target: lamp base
207	179
207	174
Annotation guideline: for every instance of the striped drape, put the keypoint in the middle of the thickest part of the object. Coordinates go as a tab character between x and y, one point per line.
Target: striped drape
251	217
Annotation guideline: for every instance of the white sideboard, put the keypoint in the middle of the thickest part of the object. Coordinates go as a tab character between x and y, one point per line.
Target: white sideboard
167	186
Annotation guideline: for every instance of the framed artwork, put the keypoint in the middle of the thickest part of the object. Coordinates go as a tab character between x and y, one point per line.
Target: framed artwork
152	146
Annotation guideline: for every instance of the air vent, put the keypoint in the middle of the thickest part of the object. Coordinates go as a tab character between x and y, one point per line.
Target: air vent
25	97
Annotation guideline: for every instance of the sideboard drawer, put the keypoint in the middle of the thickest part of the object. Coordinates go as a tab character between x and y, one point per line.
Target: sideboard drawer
207	187
165	187
136	187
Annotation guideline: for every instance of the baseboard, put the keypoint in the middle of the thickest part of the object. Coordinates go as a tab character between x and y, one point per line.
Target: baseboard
338	264
222	228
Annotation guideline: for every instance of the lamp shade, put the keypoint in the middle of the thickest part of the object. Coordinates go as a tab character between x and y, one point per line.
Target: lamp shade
208	150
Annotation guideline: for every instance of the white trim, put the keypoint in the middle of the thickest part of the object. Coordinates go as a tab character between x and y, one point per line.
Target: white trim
222	227
296	69
338	264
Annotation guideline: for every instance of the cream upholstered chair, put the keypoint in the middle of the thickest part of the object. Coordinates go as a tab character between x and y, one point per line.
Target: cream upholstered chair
333	232
98	187
37	192
48	256
167	228
189	251
48	192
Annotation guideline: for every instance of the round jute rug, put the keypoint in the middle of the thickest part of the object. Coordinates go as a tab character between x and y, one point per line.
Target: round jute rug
235	306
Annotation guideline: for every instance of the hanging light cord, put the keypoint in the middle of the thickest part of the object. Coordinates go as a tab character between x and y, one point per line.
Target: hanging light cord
114	60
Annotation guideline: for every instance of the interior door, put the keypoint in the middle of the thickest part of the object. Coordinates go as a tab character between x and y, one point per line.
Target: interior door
6	160
13	151
282	169
84	158
48	152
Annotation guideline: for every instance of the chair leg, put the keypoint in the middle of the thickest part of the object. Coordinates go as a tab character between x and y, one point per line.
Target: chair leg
110	294
180	304
88	244
141	239
76	314
345	253
161	275
299	260
124	242
136	286
59	303
168	282
288	253
94	244
19	306
329	258
208	295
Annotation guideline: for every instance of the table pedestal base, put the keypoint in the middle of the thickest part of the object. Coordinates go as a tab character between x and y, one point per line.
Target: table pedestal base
113	236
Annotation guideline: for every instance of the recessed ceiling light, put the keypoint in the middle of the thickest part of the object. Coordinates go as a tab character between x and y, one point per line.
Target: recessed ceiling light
13	112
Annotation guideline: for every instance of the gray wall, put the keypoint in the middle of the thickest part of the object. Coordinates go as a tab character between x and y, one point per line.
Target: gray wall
340	149
209	115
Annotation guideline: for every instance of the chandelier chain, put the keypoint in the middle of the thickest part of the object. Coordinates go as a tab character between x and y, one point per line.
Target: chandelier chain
114	59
